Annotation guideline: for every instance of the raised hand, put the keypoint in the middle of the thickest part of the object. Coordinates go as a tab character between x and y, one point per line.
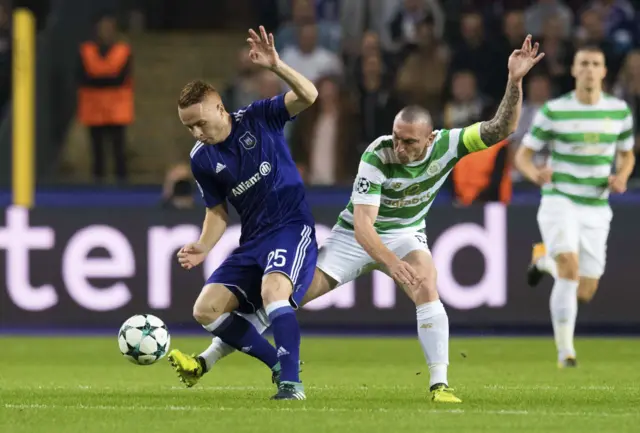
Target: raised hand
521	61
263	49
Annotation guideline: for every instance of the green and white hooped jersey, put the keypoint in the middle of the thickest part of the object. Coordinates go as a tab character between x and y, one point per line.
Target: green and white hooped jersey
404	192
583	141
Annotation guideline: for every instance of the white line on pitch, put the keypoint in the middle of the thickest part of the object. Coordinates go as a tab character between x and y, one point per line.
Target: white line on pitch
333	388
555	388
311	409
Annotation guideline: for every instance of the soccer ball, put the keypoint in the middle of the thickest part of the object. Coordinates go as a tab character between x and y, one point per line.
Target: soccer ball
143	339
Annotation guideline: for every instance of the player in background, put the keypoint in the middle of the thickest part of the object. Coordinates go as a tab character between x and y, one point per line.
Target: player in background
243	158
586	130
383	225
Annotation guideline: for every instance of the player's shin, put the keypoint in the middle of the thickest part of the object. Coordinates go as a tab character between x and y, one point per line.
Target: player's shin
564	310
286	333
218	349
433	333
240	334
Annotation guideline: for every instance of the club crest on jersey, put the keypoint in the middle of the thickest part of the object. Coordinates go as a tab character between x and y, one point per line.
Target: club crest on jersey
248	141
433	168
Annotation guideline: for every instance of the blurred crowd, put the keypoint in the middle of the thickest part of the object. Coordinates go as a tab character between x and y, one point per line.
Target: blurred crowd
369	58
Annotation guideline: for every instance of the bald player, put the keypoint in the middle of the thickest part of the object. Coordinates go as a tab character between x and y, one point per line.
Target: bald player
383	226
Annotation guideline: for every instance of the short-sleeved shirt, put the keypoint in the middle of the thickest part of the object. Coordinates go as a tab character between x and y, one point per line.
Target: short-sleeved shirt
583	140
253	170
404	192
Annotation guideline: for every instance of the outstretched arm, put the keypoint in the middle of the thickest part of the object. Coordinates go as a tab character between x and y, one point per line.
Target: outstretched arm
263	52
302	94
506	119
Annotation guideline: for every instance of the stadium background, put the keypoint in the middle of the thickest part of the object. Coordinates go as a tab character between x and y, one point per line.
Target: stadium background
86	251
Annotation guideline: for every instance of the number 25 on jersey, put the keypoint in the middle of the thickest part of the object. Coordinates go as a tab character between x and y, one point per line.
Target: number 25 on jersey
276	258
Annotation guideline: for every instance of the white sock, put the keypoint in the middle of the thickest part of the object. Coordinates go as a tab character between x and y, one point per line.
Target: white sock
564	310
433	333
548	264
218	349
215	352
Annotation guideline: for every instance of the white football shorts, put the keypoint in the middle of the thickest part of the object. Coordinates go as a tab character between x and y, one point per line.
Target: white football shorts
343	258
568	227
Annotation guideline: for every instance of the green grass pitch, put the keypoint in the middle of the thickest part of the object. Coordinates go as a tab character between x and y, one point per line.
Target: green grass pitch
353	385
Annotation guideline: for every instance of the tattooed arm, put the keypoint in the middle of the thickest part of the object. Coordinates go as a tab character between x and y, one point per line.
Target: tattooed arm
506	119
